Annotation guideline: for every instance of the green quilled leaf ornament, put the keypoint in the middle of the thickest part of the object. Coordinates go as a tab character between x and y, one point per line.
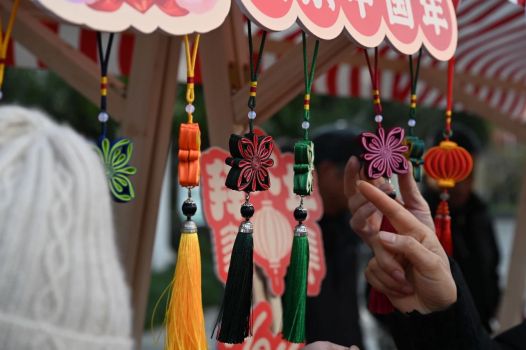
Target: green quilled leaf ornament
116	158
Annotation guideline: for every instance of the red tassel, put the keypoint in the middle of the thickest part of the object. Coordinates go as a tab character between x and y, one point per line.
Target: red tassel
378	302
443	229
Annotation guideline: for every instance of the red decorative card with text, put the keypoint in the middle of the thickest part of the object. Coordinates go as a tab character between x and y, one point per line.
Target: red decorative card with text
263	337
273	221
407	24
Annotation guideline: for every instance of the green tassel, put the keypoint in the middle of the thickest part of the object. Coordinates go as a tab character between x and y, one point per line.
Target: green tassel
234	321
295	298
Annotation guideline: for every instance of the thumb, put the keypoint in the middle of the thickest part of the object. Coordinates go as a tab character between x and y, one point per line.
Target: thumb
422	259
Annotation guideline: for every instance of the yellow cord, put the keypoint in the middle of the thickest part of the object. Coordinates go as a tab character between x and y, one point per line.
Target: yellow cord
191	58
4	39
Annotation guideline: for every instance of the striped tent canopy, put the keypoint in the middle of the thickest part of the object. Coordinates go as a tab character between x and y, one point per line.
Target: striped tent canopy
490	59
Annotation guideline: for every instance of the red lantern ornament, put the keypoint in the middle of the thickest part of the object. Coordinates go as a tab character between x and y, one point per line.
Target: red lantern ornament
448	164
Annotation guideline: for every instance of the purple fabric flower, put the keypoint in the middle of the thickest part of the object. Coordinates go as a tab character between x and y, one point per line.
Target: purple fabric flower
384	154
255	163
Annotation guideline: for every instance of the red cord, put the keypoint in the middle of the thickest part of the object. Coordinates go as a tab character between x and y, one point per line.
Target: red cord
375	81
449	108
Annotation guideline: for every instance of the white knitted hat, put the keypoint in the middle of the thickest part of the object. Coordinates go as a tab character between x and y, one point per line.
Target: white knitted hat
61	283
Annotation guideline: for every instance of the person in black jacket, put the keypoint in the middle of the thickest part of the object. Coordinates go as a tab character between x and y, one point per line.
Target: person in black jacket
474	245
337	303
435	308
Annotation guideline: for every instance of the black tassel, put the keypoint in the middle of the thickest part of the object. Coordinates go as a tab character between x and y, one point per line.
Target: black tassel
234	322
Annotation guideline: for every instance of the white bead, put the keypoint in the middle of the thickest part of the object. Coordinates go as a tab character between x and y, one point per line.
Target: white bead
252	115
1	94
305	125
190	108
378	118
411	123
103	117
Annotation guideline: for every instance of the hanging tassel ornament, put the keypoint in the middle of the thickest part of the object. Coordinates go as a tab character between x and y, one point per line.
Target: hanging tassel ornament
4	42
185	325
383	156
115	154
249	161
295	297
447	163
415	144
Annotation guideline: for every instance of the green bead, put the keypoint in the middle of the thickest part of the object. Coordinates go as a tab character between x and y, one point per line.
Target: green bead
303	167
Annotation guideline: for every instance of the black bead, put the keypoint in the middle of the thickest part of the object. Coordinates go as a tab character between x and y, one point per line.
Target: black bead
392	195
189	208
300	214
247	210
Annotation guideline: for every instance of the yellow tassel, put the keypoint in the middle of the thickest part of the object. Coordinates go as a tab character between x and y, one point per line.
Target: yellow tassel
185	325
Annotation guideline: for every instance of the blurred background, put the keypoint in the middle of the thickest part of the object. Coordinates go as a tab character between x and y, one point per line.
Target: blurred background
500	168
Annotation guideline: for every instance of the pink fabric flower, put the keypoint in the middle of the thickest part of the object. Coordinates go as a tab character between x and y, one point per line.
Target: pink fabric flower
384	154
256	161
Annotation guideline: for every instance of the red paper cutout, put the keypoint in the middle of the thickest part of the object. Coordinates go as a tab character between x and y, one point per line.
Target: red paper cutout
273	220
263	337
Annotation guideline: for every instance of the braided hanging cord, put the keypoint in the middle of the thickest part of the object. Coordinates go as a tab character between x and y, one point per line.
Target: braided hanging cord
254	72
375	82
191	59
104	58
309	79
414	81
449	109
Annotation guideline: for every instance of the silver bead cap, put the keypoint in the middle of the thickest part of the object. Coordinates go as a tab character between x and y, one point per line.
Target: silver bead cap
300	230
189	227
246	227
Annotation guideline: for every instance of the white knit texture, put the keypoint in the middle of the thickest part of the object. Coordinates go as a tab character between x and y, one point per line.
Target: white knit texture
62	286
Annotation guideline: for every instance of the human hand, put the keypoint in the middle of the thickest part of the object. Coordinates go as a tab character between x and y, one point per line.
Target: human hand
366	219
325	345
429	285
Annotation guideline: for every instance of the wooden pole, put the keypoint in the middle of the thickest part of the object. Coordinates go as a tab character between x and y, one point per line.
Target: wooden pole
148	122
216	86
